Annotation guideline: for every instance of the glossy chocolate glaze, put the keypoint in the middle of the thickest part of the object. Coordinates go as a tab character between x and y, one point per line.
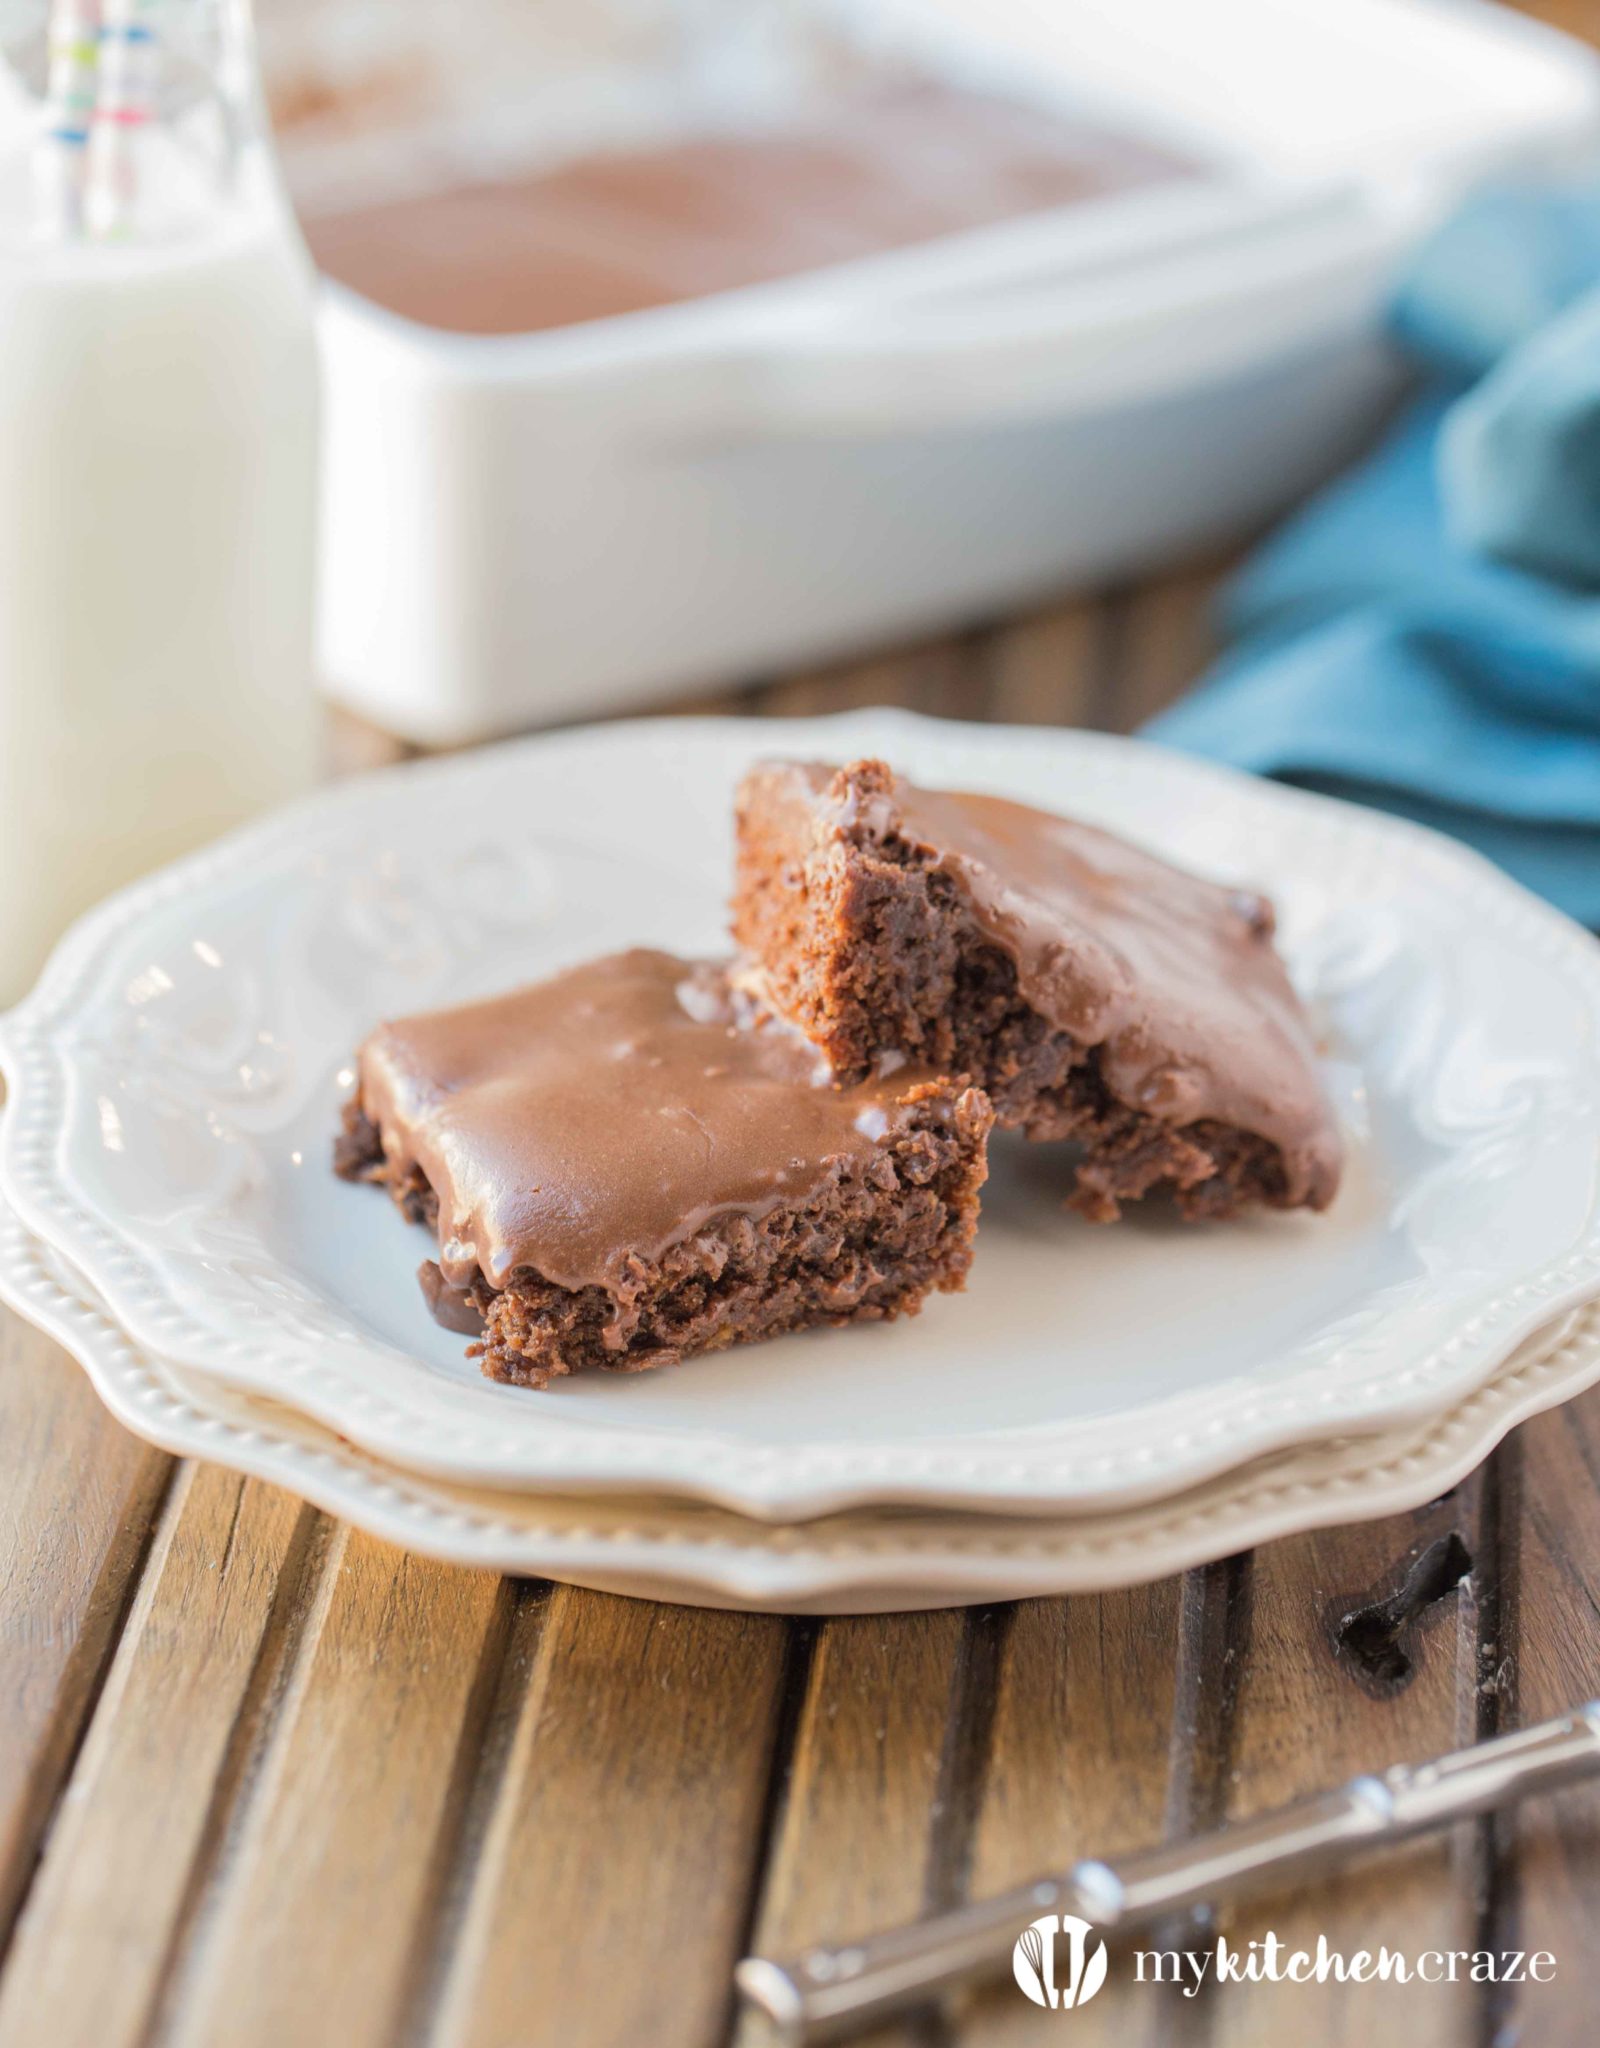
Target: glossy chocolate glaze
607	1114
649	227
1174	978
452	1307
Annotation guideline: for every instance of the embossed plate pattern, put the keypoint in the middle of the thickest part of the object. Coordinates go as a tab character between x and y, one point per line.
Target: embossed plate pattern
175	1078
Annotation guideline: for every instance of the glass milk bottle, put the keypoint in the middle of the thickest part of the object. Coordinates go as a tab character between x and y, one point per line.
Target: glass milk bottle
158	421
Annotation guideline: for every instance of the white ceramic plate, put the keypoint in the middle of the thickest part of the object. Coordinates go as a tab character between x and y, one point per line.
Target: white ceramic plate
176	1077
867	1562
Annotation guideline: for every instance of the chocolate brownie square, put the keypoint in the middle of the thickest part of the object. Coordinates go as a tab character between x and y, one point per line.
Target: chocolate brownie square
633	1162
1094	992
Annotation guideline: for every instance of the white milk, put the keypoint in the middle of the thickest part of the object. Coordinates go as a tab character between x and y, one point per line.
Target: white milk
157	489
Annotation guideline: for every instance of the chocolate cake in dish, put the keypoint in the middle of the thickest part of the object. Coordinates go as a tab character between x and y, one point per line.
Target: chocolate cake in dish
632	1162
588	236
1093	991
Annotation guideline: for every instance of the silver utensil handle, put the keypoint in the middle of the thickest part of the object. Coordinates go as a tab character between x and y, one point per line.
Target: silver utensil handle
830	1992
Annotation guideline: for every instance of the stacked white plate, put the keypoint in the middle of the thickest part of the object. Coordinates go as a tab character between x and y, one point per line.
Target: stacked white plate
1102	1405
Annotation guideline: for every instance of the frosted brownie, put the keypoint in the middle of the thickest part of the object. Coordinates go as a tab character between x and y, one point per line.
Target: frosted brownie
631	1163
1093	991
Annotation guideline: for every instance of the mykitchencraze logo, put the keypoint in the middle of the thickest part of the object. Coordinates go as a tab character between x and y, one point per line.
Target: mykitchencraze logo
1060	1962
1271	1961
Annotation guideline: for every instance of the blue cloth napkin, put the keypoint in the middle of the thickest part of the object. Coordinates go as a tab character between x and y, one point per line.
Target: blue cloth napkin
1425	635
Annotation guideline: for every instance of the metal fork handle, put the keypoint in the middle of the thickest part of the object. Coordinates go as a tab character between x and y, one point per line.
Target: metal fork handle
831	1992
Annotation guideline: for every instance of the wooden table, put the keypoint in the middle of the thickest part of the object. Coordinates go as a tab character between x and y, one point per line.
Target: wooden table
266	1781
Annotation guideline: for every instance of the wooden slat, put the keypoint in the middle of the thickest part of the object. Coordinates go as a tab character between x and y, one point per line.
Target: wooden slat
352	744
878	1791
1053	668
605	1902
1167	632
1544	1660
90	1950
1577	17
326	1871
78	1500
1088	1696
940	679
1319	1698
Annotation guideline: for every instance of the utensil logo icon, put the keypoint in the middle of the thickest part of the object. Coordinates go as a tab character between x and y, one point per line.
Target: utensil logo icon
1054	1963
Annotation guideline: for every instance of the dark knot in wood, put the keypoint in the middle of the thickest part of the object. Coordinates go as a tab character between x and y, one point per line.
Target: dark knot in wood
1378	1640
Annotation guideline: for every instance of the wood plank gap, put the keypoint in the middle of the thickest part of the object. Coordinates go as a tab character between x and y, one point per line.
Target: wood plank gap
1550	1518
799	1652
1497	1583
853	1836
964	1763
1039	670
1362	1654
505	1670
987	652
304	1584
745	698
963	1771
1108	658
981	662
97	1646
1214	1639
973	694
1213	1642
643	1742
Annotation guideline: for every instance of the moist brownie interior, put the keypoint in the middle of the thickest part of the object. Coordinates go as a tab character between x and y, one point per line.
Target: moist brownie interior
1094	992
632	1162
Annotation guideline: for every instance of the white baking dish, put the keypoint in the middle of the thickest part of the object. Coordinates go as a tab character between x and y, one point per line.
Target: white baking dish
528	528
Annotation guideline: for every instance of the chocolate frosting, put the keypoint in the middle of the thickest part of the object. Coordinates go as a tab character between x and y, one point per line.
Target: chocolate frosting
615	233
608	1114
1173	977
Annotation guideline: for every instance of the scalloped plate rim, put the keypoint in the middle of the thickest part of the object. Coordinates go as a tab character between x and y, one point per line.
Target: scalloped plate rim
656	1552
811	1479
